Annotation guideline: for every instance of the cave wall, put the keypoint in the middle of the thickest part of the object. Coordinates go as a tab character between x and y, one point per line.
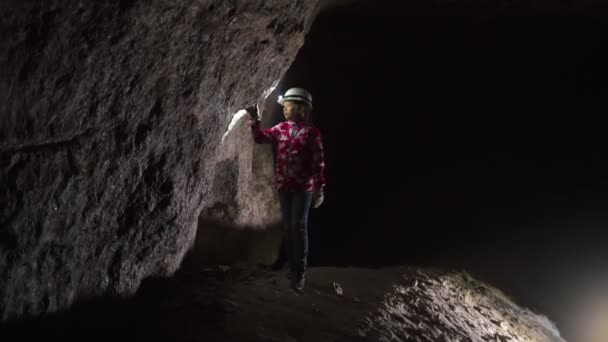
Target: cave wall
241	221
111	114
243	188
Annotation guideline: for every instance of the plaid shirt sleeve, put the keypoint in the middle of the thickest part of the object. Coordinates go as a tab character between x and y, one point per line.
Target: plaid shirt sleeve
263	136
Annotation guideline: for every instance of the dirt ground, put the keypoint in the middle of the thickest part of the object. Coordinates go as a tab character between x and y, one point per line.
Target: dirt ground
256	304
235	303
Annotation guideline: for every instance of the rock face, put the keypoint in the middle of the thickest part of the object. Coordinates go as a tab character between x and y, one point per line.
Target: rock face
111	114
440	306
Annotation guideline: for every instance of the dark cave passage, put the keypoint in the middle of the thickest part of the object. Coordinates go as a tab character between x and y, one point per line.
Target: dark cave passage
471	142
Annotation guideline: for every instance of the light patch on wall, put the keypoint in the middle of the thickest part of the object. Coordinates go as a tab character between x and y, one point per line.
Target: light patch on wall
270	90
238	115
235	118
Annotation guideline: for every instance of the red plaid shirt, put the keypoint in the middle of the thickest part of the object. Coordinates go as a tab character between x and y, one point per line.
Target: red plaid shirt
300	165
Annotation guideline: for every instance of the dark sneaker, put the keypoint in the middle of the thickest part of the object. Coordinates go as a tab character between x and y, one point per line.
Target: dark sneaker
298	284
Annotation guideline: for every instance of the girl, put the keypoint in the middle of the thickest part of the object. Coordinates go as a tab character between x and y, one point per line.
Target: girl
299	173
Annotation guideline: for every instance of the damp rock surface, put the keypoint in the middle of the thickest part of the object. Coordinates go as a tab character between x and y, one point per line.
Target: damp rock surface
111	113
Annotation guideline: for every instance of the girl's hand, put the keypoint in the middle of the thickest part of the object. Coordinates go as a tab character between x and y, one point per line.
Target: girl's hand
253	112
252	118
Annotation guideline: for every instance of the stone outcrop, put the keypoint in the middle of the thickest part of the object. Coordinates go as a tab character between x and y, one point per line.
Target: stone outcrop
427	305
111	114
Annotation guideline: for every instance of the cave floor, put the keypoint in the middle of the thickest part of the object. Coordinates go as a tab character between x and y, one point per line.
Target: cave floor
223	303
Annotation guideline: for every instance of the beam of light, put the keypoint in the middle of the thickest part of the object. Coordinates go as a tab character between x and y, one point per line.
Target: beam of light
593	323
271	89
238	115
586	306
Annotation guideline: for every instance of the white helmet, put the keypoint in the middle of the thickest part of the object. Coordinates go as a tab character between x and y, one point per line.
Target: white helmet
296	94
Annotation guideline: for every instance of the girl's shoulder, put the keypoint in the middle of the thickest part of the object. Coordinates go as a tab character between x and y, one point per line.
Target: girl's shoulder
313	129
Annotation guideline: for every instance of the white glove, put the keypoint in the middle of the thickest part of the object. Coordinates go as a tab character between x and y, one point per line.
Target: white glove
318	198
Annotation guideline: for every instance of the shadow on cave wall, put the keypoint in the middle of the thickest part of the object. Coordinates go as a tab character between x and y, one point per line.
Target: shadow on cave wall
192	301
220	243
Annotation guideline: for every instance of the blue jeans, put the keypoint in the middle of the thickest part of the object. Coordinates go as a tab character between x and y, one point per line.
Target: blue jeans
295	207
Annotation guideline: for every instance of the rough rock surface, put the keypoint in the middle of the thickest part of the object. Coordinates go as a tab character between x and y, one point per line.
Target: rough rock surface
241	219
338	305
111	113
438	306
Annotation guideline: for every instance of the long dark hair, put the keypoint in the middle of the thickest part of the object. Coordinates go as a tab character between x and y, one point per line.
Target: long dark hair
305	112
